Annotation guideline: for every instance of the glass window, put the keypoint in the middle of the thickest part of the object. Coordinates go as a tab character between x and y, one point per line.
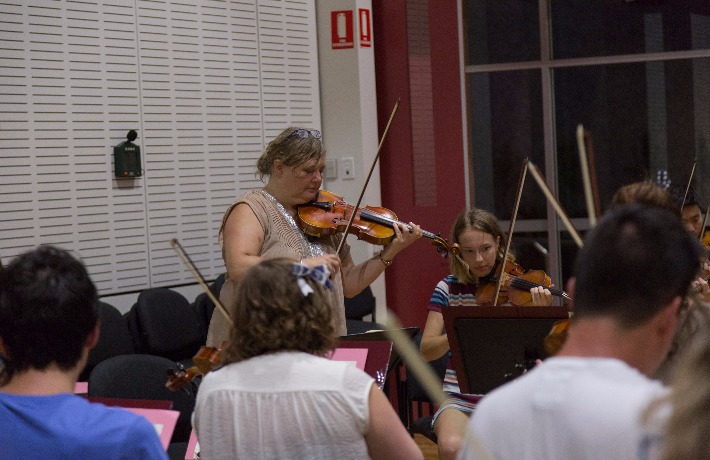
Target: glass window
583	28
505	109
643	117
644	103
502	31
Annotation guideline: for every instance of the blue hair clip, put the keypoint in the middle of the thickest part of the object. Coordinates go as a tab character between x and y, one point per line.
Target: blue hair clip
319	273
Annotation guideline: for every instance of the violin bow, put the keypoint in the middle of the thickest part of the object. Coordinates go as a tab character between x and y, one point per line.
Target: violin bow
687	187
586	162
537	175
367	181
521	182
193	269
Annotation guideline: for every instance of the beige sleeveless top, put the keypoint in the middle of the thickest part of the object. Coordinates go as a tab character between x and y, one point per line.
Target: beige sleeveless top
282	238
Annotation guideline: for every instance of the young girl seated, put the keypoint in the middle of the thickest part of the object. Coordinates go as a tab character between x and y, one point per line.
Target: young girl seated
277	396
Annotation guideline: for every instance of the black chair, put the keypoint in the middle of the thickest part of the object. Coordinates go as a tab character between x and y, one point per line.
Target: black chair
163	323
415	396
204	307
361	305
114	339
139	376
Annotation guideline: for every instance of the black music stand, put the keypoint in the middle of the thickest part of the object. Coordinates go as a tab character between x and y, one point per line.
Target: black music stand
493	345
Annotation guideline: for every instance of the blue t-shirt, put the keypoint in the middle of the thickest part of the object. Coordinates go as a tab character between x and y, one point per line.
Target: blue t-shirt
66	426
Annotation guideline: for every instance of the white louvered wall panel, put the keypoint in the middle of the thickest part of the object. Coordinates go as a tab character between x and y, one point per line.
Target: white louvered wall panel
205	83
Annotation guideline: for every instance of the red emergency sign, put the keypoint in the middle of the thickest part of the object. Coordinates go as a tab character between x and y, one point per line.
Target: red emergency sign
341	25
363	15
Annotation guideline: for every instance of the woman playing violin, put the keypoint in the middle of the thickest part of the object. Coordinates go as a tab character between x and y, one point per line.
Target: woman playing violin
482	245
262	225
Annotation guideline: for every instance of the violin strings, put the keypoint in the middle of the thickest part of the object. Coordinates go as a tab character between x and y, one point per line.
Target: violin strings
384	220
378	218
525	284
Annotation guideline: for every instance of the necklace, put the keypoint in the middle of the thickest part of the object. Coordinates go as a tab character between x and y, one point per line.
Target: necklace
309	247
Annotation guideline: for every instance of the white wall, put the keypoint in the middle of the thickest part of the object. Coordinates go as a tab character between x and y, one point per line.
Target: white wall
205	83
349	117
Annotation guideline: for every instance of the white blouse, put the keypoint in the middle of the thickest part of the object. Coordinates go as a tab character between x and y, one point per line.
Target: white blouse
282	406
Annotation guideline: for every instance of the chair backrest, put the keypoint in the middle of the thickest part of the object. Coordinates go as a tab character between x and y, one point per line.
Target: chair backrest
415	391
204	307
114	339
361	305
162	322
139	376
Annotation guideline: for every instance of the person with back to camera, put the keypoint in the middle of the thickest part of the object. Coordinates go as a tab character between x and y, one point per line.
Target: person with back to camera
262	224
694	315
48	324
277	396
482	244
587	401
683	435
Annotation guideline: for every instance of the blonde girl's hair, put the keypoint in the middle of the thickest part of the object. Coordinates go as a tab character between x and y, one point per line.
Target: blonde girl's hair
481	220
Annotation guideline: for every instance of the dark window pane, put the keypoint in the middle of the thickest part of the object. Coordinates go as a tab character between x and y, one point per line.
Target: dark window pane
583	28
502	31
506	124
642	116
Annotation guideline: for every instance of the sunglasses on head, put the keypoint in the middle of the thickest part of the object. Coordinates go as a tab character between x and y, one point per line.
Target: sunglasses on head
304	133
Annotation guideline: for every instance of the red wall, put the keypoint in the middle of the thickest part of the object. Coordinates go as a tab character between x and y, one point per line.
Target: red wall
411	279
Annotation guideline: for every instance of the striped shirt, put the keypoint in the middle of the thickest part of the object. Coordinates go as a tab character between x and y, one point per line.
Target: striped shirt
451	292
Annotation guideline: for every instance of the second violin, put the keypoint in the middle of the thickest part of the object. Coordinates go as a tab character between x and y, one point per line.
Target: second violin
329	214
515	287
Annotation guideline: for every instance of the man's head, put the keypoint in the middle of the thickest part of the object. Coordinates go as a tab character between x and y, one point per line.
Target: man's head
48	310
690	209
633	264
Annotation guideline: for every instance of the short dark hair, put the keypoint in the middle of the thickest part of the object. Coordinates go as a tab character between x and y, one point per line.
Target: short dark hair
633	263
272	314
48	308
678	192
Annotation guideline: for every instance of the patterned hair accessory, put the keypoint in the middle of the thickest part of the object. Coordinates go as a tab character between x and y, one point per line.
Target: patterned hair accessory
319	273
662	179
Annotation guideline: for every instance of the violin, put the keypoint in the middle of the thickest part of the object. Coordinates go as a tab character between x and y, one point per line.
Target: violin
206	360
328	214
516	285
556	337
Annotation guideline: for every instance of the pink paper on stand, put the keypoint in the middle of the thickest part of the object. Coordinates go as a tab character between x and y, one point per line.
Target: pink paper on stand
81	388
163	420
358	356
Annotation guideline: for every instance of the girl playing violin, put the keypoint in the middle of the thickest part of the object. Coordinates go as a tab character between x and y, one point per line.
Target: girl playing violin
262	224
482	245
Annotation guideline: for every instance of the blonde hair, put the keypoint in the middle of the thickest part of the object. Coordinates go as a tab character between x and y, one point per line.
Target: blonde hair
273	314
484	221
647	193
291	149
688	426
